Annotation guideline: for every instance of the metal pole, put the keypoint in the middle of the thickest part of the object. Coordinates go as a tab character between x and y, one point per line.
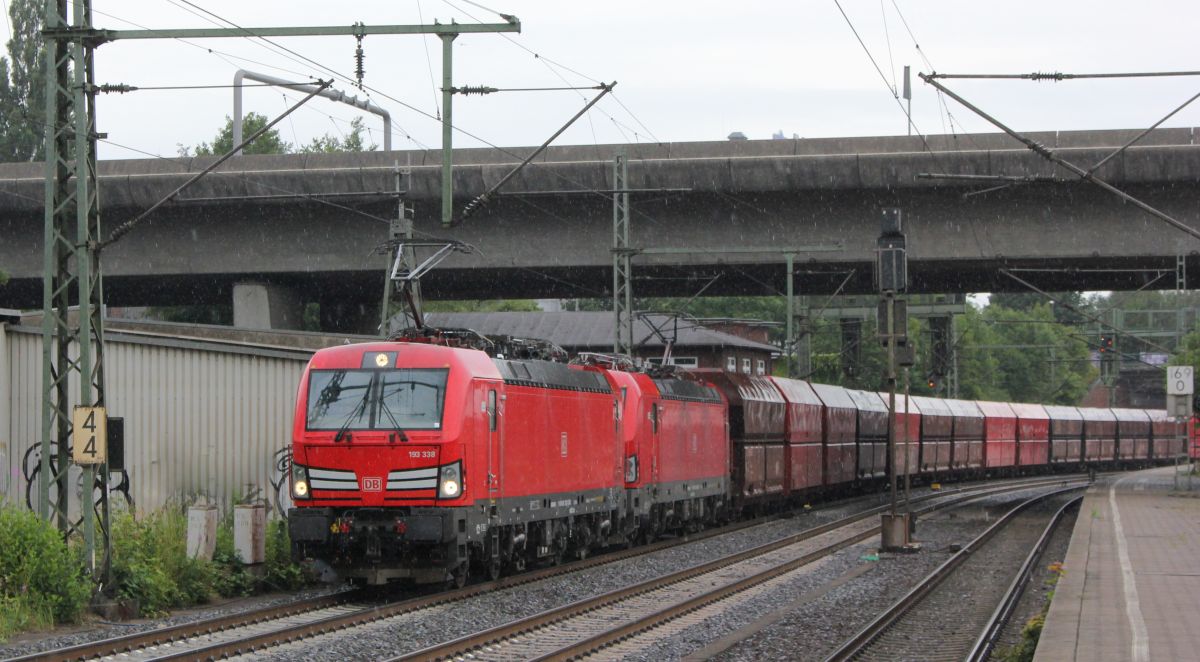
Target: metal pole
907	469
908	96
334	95
891	379
790	261
622	260
447	128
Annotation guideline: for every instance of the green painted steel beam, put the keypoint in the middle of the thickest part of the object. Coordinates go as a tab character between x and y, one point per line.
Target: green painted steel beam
301	31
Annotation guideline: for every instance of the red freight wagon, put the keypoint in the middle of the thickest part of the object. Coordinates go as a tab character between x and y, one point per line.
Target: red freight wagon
1193	439
805	459
1066	434
1167	436
1000	434
1033	434
1133	434
908	434
676	445
968	434
839	426
1099	434
872	433
756	432
937	434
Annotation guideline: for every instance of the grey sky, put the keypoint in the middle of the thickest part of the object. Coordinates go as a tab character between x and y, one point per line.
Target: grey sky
687	71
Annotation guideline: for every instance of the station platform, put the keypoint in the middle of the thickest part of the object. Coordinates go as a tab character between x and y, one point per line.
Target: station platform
1131	587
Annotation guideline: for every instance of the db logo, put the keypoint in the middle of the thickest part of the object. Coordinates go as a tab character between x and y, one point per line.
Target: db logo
372	484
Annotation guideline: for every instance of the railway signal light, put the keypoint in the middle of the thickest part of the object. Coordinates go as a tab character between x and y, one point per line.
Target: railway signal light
1107	343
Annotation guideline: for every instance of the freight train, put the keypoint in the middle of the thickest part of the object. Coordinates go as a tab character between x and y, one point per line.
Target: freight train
443	454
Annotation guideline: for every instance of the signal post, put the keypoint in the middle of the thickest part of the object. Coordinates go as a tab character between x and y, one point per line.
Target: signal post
891	277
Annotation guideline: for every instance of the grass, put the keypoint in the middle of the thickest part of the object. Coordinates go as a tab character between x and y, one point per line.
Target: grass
1031	633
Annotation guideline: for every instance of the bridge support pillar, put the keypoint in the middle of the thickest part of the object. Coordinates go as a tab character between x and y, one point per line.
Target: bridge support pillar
259	305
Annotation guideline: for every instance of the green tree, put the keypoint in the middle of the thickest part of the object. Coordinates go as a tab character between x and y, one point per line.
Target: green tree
22	86
1036	358
1188	352
352	142
1064	311
268	143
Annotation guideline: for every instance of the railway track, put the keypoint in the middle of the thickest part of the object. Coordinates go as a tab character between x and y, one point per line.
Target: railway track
251	631
588	626
953	614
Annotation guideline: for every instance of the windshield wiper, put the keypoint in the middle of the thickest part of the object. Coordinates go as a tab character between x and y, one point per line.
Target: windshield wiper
355	413
383	406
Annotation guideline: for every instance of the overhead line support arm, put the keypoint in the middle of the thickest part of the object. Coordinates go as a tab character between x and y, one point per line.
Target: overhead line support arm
1049	155
317	31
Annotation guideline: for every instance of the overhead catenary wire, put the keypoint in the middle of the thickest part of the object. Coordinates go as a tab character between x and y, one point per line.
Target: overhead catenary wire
550	64
1049	155
251	35
317	198
429	64
1056	76
125	227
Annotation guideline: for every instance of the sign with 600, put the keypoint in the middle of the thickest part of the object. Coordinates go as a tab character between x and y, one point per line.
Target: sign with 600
1179	380
89	435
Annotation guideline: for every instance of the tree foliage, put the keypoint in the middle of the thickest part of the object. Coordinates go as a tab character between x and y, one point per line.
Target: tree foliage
1025	351
271	142
268	143
22	86
351	142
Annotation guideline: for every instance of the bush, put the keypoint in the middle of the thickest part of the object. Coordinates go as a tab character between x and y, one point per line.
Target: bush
151	565
41	581
281	573
232	580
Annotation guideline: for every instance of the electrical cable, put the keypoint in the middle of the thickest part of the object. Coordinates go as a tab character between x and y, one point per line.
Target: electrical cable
888	38
429	64
145	88
550	64
251	35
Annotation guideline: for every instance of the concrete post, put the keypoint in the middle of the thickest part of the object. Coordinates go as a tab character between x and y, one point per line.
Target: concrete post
258	305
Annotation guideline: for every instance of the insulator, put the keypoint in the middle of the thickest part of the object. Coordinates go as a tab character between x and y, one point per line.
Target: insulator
358	63
475	89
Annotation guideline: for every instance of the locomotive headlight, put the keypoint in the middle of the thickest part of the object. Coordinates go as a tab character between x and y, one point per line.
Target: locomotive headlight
631	469
450	481
299	482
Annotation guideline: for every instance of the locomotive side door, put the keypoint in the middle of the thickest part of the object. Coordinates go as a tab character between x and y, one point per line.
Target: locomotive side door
494	463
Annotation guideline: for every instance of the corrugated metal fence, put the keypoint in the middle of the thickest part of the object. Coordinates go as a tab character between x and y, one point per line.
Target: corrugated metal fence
201	417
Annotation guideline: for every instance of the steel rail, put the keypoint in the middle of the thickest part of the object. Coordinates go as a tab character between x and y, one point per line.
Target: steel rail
174	633
873	630
464	645
999	619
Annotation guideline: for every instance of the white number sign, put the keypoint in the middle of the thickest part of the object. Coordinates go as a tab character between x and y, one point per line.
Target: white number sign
1179	380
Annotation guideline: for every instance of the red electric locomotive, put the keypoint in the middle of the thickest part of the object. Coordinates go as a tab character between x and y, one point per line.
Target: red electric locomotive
421	462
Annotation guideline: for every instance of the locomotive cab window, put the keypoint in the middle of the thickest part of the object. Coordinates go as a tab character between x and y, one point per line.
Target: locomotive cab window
405	399
491	411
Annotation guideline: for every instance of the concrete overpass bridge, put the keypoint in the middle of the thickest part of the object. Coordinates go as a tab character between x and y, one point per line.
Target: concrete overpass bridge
305	226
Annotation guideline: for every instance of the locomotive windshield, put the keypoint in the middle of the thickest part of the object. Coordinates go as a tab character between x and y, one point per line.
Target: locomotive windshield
407	398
